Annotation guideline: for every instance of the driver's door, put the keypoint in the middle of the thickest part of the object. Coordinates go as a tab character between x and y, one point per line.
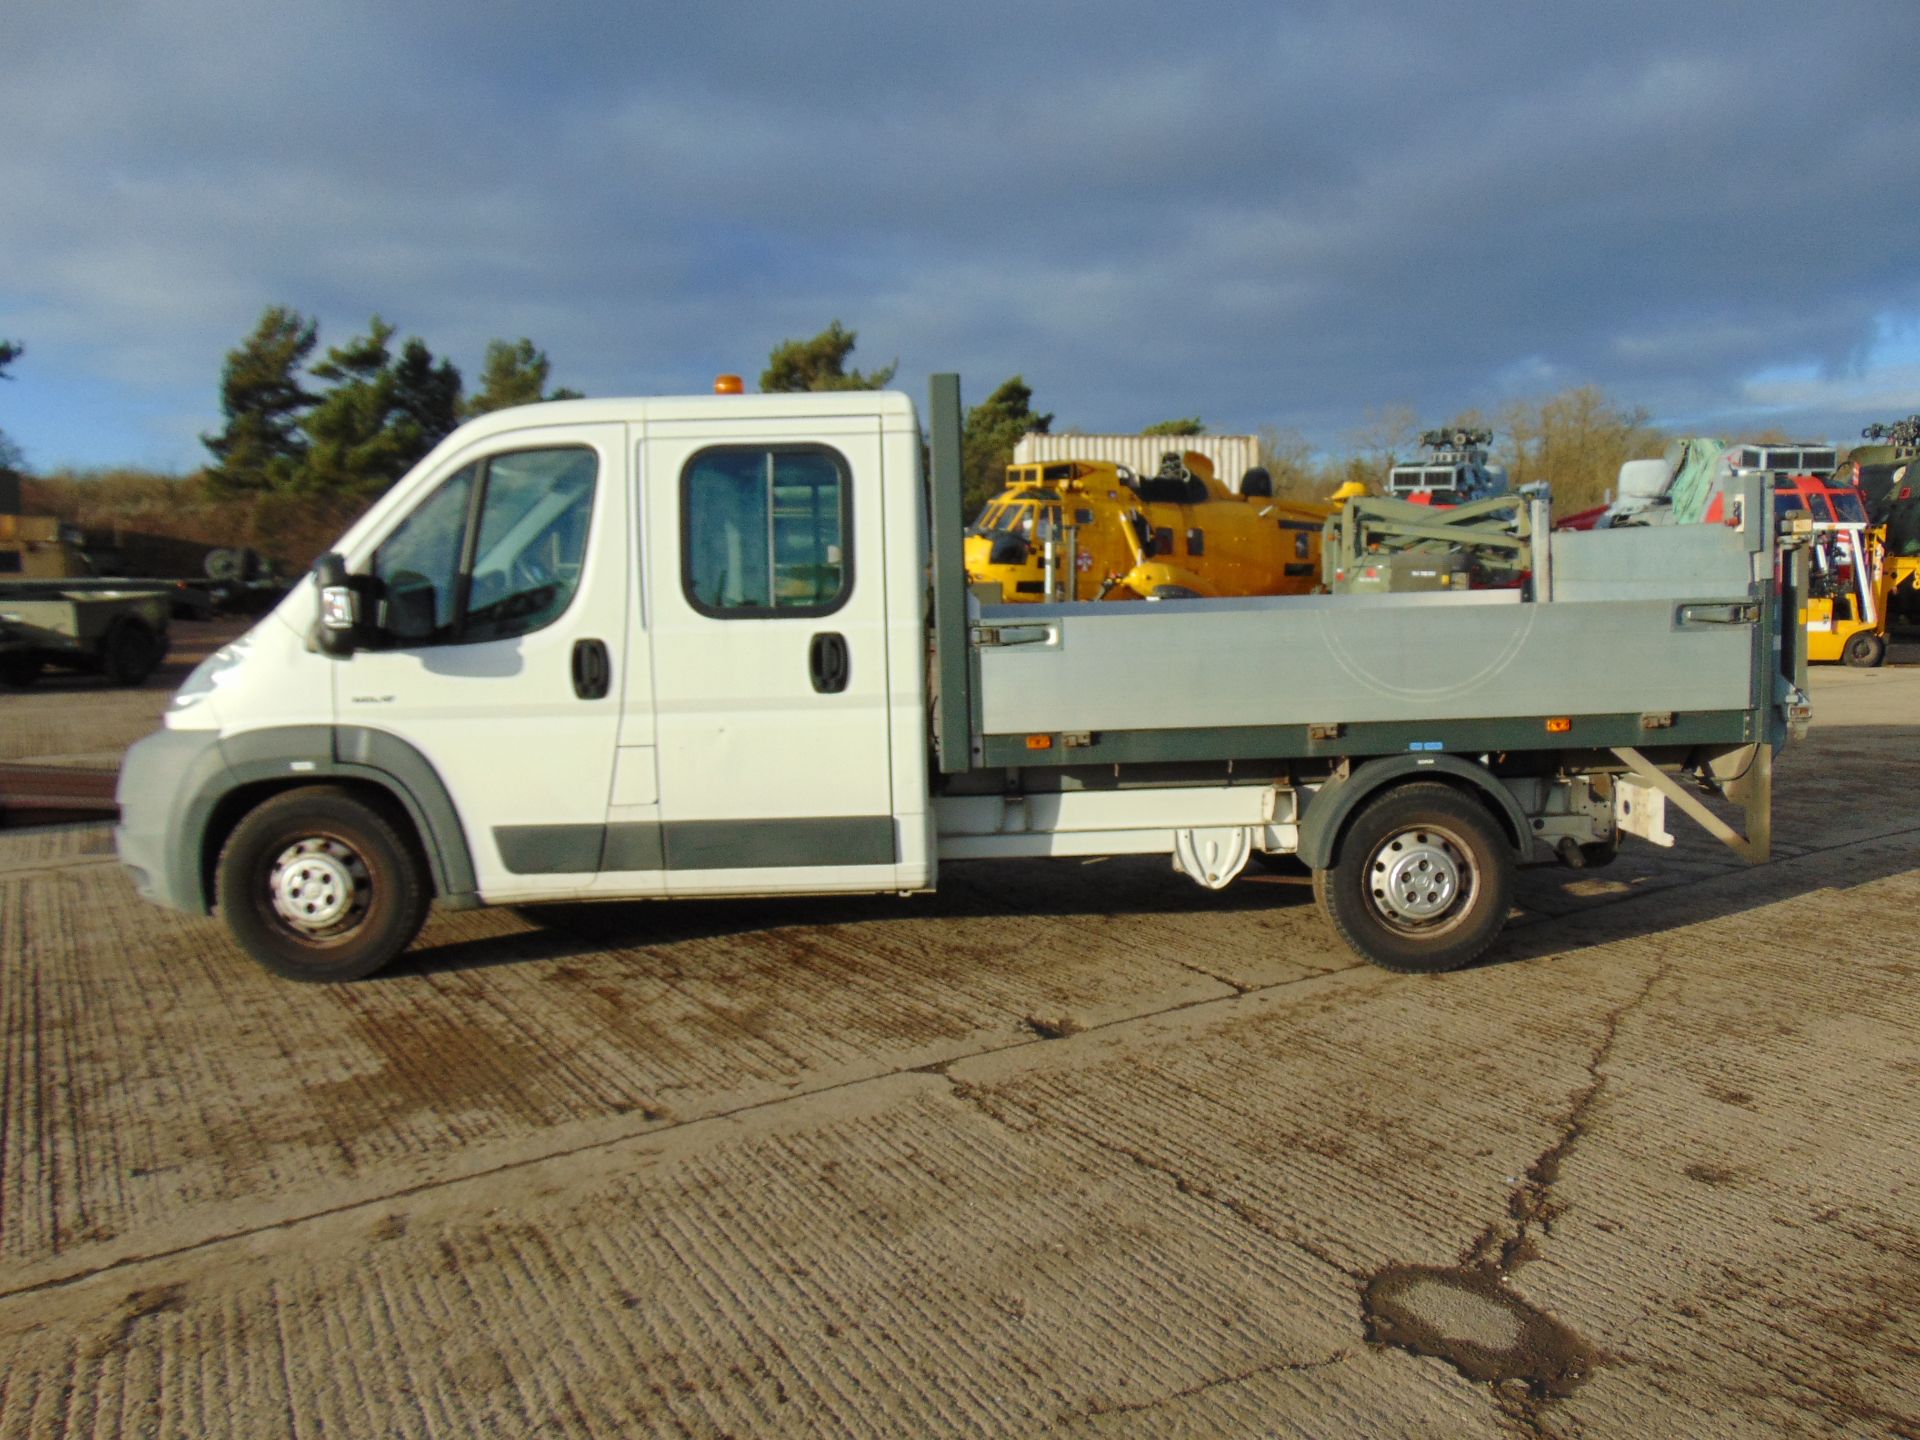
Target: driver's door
502	613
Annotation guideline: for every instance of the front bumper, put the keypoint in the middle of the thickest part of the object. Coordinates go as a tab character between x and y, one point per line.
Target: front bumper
159	779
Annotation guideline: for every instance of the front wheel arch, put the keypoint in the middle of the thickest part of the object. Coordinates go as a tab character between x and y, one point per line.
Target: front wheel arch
244	769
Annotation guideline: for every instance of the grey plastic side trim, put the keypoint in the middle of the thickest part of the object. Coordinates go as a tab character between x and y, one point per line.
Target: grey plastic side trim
550	849
634	847
698	845
1327	812
771	844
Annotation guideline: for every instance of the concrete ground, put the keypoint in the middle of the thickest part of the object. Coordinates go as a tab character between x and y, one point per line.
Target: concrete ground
1070	1148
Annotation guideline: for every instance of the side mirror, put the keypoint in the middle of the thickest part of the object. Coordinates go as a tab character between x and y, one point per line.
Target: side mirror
338	631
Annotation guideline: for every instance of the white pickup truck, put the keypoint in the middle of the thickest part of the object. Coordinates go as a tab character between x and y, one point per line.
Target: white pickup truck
725	645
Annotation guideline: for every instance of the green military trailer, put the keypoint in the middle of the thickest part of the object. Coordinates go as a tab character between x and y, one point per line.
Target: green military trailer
118	632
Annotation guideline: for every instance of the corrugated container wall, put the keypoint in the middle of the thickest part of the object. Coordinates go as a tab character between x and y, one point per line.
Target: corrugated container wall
1232	455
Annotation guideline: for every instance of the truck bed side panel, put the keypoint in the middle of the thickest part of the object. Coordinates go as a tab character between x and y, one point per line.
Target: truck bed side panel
1370	658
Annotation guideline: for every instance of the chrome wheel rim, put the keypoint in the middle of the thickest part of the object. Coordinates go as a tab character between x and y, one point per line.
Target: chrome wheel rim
319	886
1421	880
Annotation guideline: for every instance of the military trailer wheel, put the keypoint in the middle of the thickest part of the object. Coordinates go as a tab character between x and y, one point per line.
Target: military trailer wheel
131	651
19	668
1422	882
1865	650
316	884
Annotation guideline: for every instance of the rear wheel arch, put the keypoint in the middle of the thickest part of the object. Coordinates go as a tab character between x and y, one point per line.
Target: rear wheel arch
1330	814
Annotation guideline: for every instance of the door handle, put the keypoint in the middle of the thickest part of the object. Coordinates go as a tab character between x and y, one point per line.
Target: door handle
828	663
592	669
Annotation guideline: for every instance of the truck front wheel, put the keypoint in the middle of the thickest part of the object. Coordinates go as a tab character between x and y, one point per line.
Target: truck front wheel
316	884
1423	880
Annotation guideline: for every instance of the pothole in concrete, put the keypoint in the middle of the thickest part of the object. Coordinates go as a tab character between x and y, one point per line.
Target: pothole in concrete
1468	1318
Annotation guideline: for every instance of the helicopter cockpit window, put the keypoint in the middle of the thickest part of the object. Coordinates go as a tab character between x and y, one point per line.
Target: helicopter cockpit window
999	519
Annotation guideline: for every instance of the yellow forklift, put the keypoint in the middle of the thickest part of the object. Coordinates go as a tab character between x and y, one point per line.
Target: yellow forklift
1848	580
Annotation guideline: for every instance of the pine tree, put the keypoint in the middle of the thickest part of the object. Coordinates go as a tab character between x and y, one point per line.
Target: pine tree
820	364
514	373
262	447
354	449
993	427
426	399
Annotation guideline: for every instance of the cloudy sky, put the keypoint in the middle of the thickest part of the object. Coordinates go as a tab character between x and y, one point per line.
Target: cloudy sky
1284	214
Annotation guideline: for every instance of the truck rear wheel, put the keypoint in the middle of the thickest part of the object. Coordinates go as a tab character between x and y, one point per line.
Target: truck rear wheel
316	884
1423	880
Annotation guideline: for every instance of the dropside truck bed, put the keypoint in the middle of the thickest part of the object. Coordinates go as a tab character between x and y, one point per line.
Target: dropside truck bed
1372	734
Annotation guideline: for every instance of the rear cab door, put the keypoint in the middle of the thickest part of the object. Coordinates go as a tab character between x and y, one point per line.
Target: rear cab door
774	671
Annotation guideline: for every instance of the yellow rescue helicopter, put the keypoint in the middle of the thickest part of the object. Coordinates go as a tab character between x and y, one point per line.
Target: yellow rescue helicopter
1094	530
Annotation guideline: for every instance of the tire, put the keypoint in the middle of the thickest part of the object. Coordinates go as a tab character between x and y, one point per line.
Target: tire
1865	650
1423	880
131	651
318	885
19	669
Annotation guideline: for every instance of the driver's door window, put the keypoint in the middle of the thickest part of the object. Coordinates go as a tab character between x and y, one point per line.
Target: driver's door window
495	552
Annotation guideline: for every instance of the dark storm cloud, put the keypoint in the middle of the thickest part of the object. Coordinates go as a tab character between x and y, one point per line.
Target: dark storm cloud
1263	214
